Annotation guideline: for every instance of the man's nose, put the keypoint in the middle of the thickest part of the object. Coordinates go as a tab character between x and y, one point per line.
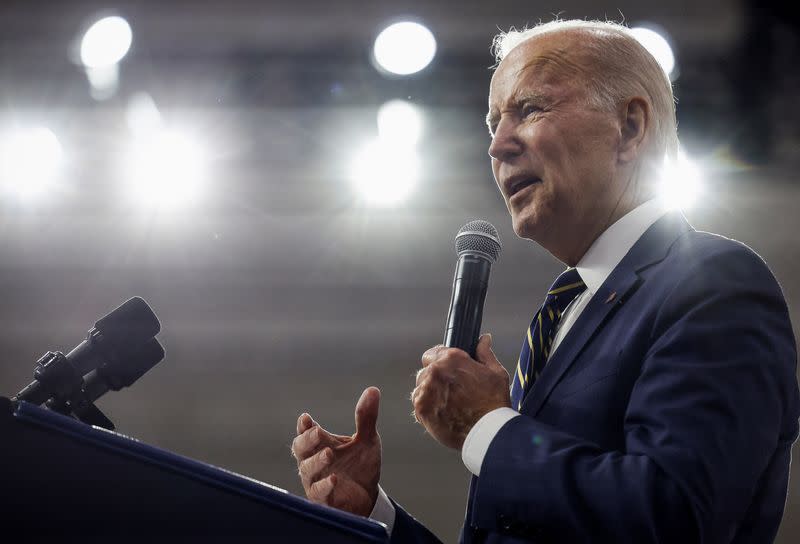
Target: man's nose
505	142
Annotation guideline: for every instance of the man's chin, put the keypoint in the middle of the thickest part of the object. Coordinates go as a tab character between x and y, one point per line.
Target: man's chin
525	227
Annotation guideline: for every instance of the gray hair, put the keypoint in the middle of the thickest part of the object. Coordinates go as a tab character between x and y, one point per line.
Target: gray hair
620	68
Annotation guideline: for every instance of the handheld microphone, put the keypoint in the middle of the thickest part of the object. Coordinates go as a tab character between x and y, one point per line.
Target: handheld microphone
478	247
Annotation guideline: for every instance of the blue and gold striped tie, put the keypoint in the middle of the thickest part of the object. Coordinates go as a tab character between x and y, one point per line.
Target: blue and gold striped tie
539	338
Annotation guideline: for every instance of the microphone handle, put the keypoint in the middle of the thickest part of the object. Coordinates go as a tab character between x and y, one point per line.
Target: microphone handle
33	393
470	284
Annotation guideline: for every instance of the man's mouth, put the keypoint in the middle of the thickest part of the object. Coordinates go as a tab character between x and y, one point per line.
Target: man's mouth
518	185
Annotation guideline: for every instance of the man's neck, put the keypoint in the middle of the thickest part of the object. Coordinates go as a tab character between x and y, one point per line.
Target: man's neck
628	202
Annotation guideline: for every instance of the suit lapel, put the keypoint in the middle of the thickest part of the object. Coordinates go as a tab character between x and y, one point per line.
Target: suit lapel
590	321
649	249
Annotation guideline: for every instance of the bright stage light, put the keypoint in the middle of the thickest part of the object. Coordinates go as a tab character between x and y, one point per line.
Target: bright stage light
681	183
657	45
165	169
29	162
385	171
142	114
106	42
399	123
384	175
104	81
404	48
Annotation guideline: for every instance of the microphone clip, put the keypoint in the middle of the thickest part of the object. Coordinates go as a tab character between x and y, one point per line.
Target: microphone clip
65	388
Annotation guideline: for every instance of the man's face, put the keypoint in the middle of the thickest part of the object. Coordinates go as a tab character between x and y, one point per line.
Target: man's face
554	156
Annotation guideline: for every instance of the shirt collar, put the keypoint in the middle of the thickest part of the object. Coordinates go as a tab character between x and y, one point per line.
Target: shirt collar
610	247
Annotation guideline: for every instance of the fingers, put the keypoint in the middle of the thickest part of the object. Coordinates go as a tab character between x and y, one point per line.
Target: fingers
321	490
423	398
484	353
432	354
313	468
445	356
422	373
367	409
415	396
441	364
304	423
307	443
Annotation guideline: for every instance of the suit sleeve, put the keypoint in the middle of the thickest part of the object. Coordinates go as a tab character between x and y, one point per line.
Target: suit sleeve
704	417
407	530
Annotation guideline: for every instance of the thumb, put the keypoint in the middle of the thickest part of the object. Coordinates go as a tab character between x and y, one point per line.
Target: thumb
484	353
367	413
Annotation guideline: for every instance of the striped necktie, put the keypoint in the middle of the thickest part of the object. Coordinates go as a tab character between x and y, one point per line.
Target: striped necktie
539	338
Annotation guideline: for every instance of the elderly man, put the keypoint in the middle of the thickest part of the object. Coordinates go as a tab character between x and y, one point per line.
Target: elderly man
655	398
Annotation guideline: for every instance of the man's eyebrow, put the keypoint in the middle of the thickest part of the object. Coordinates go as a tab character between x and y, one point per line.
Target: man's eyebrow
517	99
529	95
490	118
554	65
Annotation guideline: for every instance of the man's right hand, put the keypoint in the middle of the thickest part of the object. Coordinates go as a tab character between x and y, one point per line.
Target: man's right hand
337	470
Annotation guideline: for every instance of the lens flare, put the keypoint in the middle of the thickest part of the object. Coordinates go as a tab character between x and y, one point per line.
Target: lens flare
681	182
658	46
384	175
30	160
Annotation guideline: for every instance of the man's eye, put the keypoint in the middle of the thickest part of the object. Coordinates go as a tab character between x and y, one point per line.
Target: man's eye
529	109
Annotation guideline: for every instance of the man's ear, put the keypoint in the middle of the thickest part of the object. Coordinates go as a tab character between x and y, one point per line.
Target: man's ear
635	122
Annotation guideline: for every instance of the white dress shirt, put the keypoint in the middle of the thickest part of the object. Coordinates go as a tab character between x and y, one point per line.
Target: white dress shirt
594	268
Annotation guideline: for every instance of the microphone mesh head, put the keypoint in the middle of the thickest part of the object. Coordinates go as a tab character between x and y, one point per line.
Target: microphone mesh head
479	236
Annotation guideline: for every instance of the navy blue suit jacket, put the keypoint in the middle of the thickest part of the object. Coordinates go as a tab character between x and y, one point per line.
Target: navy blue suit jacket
667	413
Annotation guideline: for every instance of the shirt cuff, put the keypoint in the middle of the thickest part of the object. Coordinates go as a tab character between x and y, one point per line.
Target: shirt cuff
383	511
481	435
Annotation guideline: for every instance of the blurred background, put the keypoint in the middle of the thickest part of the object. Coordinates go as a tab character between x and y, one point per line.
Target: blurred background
282	182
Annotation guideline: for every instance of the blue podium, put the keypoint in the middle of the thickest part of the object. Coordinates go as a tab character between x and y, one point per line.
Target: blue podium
61	479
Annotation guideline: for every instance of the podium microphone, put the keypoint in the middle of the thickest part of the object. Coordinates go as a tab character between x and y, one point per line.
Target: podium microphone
109	343
478	247
114	375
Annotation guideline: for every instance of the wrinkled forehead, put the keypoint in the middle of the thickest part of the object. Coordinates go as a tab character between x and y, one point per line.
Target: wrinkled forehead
541	61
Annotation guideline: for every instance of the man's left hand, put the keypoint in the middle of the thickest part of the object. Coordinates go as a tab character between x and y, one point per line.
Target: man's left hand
454	390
